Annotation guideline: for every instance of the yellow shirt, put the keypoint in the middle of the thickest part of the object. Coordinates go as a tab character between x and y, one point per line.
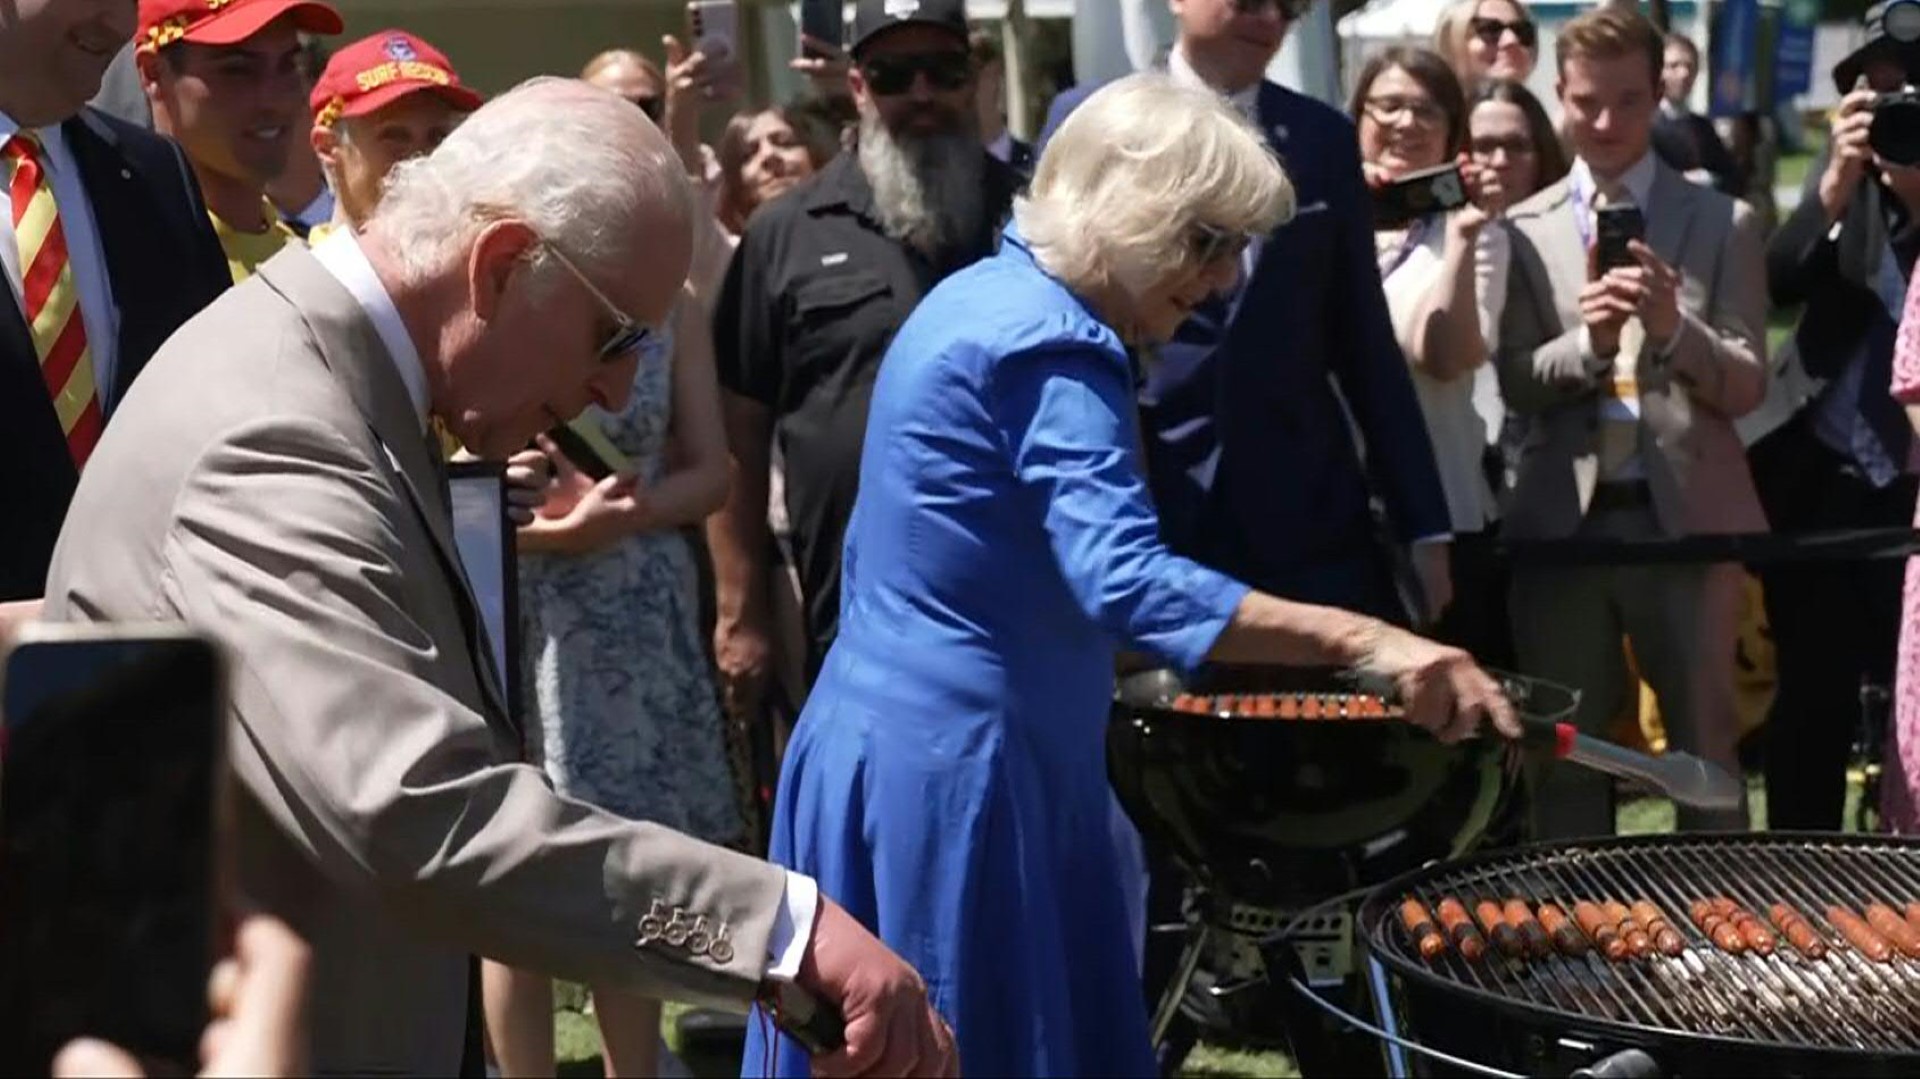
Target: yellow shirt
247	250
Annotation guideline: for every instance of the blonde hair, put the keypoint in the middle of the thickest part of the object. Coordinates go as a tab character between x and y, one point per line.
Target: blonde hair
1450	38
1126	178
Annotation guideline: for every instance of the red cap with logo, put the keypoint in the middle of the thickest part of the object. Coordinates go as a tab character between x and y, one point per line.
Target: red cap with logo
376	71
226	22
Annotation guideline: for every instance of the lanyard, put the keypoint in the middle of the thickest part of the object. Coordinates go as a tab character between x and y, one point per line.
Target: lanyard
1416	235
1582	211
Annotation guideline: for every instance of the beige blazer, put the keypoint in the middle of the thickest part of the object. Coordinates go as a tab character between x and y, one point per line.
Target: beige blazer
269	482
1717	371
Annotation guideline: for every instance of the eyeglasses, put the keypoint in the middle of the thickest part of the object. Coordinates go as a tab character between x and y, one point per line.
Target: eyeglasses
894	73
1389	110
1491	31
1210	243
1291	9
628	335
1483	149
652	106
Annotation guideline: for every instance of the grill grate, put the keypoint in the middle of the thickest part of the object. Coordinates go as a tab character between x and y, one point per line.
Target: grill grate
1843	1000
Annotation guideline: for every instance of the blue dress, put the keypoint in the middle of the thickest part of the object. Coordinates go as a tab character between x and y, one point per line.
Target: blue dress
947	781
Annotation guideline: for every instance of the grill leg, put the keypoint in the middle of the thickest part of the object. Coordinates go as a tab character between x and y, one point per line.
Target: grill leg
1176	990
1383	1014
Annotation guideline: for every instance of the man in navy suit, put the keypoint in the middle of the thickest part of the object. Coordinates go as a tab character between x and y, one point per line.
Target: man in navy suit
141	253
1251	458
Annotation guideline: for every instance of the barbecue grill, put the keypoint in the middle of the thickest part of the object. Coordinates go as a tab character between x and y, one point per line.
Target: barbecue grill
1702	1011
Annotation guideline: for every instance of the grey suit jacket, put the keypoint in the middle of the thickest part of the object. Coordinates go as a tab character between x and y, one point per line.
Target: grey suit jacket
1716	372
268	481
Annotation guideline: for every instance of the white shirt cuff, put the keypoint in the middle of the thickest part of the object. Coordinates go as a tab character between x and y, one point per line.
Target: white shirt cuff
1437	537
792	927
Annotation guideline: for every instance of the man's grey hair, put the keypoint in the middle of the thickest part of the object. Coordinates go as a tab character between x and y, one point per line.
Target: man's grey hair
1134	170
575	163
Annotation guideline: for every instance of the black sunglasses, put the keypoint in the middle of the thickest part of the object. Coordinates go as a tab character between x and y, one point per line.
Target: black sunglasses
1292	9
652	106
1492	30
894	73
1210	243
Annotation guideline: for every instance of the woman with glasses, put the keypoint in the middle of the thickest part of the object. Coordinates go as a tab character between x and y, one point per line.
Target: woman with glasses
1445	276
1488	39
947	781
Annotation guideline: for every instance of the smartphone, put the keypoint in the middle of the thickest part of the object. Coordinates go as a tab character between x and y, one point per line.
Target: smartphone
1417	194
1613	228
715	28
589	448
111	776
825	20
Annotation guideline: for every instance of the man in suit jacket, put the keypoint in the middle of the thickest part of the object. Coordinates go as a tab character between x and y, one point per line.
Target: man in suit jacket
1684	139
272	480
141	256
1250	454
1847	253
1631	380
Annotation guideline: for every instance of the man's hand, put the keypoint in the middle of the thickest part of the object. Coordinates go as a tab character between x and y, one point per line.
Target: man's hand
1605	307
1441	687
259	1026
14	617
891	1029
1849	154
743	650
528	473
1659	293
827	71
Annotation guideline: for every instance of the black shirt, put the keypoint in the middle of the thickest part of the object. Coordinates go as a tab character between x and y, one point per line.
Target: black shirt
811	301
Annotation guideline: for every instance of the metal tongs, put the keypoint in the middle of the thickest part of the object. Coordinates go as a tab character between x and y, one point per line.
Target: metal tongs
1545	710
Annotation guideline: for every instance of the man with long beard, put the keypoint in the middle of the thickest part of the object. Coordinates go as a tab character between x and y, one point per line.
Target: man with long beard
822	279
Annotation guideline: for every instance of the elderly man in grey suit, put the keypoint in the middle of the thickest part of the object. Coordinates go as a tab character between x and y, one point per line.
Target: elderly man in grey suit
1629	381
272	480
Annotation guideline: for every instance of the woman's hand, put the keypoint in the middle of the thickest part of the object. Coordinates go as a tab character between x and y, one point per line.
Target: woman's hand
1486	199
1377	176
1441	687
582	514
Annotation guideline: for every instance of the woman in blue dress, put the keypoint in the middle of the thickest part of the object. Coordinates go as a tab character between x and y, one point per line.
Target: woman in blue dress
947	781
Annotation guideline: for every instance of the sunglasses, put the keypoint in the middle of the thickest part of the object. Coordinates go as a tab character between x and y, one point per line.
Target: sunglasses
1491	31
1291	9
1210	243
627	336
652	106
895	73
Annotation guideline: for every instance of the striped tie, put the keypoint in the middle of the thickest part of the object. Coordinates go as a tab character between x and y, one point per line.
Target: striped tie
52	300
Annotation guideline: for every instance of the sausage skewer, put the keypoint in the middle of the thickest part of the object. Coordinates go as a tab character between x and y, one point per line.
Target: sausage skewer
1638	942
1494	921
1419	925
1603	930
1665	938
1716	927
1798	932
1859	934
1459	927
1895	928
1539	945
1565	935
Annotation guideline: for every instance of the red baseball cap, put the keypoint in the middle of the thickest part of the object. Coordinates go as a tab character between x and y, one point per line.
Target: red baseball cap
376	71
226	22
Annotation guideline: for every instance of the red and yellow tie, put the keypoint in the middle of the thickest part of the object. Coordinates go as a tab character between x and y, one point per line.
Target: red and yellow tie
52	298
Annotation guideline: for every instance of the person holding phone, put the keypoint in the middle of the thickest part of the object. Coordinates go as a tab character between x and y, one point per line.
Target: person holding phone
1630	377
1445	275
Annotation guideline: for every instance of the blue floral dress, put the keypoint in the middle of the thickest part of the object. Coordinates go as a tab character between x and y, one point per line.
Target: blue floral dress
621	708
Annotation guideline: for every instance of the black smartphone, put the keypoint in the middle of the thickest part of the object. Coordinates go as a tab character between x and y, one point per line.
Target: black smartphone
825	20
1419	193
111	773
589	451
1613	228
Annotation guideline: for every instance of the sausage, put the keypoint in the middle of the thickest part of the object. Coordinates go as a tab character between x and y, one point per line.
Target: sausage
1566	936
1665	938
1913	916
1419	925
1289	706
1716	927
1459	926
1860	934
1539	945
1494	921
1595	923
1797	931
1753	932
1638	942
1895	928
